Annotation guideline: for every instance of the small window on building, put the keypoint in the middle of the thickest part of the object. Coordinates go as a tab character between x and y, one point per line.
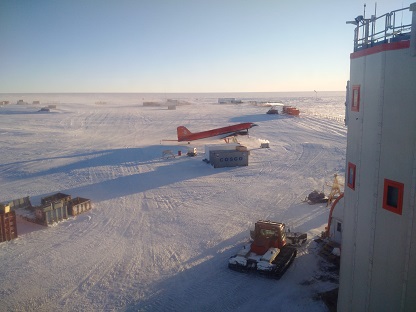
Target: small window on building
351	176
393	196
355	105
339	226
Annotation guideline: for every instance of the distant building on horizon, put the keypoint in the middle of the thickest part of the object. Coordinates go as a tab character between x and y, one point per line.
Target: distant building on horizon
229	101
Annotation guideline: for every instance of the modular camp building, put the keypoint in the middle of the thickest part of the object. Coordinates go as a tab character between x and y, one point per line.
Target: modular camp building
228	158
8	227
378	257
219	147
227	155
54	208
78	205
51	212
23	202
55	197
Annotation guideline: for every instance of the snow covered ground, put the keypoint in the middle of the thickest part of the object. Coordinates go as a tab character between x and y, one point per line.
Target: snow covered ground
161	230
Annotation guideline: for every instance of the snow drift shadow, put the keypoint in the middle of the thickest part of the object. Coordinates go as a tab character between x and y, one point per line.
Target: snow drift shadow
29	111
168	171
98	158
136	183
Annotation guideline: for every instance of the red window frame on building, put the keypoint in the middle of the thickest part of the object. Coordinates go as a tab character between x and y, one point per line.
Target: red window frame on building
351	175
393	196
355	99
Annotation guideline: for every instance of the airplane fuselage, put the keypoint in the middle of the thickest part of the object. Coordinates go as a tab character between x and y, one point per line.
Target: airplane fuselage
185	135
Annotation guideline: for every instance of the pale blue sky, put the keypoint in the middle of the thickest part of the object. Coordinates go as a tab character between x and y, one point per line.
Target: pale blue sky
178	45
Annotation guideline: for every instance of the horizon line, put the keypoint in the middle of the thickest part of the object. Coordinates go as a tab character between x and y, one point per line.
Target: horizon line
176	92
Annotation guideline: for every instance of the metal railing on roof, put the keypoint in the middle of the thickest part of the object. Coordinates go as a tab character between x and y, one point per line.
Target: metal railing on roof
389	27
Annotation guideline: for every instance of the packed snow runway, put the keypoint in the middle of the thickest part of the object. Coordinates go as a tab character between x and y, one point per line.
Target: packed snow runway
161	230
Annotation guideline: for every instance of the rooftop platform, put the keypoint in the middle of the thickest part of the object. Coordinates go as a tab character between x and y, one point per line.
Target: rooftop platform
395	26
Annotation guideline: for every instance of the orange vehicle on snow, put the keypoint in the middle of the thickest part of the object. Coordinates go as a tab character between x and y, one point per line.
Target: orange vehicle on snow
271	252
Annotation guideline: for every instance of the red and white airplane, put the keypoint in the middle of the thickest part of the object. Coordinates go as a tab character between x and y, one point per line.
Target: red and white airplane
239	129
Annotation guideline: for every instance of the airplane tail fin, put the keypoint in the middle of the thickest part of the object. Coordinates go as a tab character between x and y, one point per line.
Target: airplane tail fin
183	132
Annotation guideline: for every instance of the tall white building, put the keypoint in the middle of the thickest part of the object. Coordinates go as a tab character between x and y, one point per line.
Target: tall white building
378	257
